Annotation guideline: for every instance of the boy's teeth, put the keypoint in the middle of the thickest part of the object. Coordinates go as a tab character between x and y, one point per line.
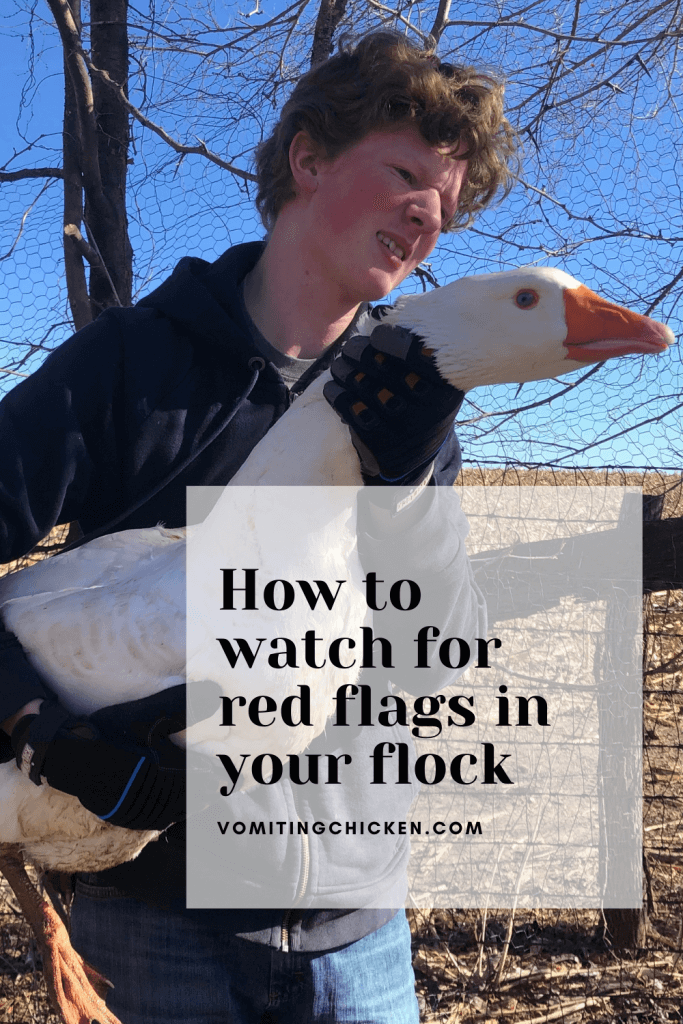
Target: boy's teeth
390	244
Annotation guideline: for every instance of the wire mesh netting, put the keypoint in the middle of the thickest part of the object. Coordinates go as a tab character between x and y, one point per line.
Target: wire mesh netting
527	965
592	91
593	102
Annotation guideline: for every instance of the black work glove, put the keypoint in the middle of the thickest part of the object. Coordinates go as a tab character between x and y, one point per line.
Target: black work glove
399	409
119	762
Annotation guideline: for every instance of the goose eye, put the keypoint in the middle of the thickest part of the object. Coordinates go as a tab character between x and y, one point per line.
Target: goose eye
526	299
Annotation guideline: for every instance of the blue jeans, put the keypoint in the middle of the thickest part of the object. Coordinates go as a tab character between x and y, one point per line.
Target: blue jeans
168	967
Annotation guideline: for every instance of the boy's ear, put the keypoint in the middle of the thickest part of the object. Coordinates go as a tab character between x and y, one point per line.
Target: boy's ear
305	159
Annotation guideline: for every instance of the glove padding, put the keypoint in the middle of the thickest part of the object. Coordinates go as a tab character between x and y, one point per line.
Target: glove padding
399	409
119	761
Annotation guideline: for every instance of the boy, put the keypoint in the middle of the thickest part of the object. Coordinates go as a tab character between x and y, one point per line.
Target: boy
376	152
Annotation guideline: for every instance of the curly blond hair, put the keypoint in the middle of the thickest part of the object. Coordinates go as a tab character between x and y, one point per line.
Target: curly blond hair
383	81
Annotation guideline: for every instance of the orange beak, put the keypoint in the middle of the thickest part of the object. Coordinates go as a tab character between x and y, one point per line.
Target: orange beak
598	329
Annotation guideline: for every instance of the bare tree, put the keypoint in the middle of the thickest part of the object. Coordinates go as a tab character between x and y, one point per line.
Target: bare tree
94	159
163	110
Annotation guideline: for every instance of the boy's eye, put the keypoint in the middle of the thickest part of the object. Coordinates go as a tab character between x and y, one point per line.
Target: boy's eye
404	173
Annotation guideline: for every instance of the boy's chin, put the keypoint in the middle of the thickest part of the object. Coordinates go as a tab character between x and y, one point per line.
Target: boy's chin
381	284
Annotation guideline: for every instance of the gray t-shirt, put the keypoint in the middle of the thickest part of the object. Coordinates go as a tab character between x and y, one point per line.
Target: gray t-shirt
290	368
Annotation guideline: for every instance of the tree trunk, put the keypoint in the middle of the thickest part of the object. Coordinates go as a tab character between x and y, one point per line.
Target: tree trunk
626	928
330	14
76	285
95	157
105	214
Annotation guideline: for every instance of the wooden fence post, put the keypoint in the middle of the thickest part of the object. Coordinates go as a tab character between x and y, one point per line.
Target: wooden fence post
620	764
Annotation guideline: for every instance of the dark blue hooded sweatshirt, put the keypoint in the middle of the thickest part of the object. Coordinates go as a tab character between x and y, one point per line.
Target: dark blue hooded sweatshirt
109	432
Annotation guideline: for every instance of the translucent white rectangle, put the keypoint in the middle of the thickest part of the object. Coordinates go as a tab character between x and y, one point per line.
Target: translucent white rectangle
549	813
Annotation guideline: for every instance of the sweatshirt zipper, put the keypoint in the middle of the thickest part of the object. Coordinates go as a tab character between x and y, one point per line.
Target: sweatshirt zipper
300	891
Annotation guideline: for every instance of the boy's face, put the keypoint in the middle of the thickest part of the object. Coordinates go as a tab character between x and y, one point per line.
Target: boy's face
392	186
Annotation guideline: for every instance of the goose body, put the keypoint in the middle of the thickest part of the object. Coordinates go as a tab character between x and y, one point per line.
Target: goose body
105	623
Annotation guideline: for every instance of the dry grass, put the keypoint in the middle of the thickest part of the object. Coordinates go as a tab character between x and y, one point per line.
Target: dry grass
23	996
668	484
559	966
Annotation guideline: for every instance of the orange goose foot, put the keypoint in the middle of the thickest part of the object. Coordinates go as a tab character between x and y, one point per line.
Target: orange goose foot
75	988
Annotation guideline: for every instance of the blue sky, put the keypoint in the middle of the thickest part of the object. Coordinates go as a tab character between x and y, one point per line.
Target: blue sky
606	171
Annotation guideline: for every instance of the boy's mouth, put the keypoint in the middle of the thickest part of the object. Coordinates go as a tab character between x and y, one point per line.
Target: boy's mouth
391	245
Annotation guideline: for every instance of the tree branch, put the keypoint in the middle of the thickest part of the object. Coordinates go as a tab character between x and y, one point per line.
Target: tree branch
620	40
32	172
440	21
73	232
6	256
72	209
330	14
99	262
627	430
78	72
570	38
15	373
531	405
201	150
424	37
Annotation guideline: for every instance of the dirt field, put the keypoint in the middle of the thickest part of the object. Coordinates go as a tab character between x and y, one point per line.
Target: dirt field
541	966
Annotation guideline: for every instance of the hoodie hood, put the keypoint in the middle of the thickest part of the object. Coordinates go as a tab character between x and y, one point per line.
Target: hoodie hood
203	298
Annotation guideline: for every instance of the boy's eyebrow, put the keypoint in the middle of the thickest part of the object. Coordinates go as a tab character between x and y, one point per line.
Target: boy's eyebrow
416	166
422	173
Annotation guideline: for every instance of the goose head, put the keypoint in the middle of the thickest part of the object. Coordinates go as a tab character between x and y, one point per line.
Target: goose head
521	325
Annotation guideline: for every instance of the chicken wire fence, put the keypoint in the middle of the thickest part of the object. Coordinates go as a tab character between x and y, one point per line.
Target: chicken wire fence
599	193
527	965
600	198
625	412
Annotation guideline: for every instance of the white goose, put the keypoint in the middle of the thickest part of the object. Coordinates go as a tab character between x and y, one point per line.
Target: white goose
106	622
